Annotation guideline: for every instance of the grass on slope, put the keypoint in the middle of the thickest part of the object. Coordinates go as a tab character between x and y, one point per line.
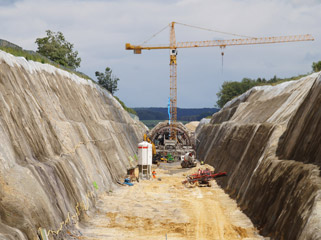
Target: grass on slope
36	57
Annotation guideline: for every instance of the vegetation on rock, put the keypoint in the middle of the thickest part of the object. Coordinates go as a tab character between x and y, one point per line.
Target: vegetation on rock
107	80
36	57
230	90
56	48
316	66
130	110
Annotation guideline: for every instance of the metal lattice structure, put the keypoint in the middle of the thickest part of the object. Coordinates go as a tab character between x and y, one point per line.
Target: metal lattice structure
173	45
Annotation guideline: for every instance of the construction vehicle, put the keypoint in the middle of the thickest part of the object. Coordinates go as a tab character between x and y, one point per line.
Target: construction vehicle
202	178
188	161
173	46
163	159
155	156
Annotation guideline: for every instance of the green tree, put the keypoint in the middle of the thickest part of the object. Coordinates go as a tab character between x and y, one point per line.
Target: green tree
230	90
316	66
107	80
57	49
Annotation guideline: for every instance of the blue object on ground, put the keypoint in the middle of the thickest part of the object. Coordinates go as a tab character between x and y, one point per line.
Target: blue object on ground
127	181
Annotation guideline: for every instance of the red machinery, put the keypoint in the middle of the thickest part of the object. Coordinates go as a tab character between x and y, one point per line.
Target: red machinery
203	177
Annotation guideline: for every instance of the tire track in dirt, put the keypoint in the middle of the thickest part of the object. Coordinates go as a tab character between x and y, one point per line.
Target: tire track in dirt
152	209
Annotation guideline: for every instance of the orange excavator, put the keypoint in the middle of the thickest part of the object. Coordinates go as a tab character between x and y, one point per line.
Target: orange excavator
147	139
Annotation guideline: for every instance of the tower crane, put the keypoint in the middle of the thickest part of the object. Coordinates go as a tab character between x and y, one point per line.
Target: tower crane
173	45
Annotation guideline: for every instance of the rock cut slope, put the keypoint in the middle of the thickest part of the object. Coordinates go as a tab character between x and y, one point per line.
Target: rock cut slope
61	137
268	140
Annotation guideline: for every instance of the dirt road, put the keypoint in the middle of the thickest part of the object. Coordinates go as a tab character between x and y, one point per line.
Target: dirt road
166	209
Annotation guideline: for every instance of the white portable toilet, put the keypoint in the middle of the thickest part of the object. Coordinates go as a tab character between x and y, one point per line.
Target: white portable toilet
145	156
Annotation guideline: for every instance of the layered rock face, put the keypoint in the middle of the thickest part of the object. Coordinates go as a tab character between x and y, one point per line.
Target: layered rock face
63	140
268	140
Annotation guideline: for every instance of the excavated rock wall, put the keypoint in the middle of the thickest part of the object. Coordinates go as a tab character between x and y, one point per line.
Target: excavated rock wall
63	140
268	140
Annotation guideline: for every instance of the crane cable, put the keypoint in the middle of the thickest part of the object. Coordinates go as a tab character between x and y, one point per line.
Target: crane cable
222	53
154	35
222	61
206	29
187	25
212	30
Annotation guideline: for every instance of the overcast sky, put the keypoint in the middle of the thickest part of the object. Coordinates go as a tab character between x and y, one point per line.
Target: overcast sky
99	30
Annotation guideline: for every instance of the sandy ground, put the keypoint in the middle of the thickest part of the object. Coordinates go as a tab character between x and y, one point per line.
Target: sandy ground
165	209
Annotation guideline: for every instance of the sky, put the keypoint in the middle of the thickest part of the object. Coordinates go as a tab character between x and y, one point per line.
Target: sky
99	30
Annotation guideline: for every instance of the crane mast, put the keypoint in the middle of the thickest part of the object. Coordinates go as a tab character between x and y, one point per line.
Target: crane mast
173	81
173	45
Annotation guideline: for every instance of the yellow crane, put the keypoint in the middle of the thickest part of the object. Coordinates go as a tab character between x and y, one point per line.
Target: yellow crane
173	45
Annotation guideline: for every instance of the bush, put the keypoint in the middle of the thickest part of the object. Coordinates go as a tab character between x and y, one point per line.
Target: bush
230	90
36	57
107	80
56	48
316	66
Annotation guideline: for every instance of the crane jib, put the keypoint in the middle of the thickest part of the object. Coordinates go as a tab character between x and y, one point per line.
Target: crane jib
223	43
210	43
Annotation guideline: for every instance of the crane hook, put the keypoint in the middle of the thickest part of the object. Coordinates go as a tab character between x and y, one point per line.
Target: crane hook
222	53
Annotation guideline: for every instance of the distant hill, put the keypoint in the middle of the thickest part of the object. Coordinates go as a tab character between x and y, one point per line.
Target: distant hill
183	114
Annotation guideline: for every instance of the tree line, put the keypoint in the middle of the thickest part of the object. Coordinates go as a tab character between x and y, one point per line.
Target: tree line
232	89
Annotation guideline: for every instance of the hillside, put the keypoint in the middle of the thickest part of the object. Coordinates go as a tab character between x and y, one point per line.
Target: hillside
66	143
268	140
64	140
34	56
183	114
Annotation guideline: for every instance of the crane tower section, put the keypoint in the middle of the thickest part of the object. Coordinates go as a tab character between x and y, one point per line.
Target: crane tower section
173	46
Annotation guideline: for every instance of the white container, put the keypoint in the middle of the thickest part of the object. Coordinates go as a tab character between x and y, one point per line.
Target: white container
145	153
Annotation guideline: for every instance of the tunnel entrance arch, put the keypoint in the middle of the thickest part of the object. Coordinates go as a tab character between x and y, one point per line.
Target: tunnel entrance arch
162	132
160	136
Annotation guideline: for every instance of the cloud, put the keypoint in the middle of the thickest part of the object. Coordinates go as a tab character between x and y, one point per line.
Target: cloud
8	2
99	30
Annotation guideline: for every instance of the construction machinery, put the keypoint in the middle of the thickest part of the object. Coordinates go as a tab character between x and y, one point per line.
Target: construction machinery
173	46
147	139
188	161
202	178
167	148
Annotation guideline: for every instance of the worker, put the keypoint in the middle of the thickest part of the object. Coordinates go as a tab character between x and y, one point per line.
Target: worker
202	162
154	174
